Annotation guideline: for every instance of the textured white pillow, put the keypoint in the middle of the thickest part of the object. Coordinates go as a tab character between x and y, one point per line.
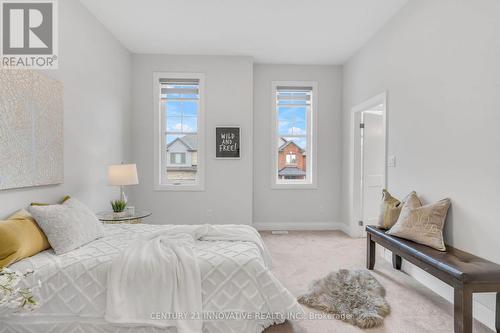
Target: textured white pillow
67	226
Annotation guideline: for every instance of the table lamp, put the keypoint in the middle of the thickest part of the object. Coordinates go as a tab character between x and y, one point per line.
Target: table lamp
122	175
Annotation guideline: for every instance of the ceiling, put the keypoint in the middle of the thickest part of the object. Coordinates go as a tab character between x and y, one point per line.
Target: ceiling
271	31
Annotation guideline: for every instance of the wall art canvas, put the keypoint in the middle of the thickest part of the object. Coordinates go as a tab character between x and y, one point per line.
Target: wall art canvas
31	129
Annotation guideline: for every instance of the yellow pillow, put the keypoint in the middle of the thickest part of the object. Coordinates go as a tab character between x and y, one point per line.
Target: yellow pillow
20	237
66	197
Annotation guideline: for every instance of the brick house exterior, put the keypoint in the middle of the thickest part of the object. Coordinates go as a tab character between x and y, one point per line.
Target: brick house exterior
291	160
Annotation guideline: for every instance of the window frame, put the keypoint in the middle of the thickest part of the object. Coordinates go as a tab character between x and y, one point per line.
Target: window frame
173	158
312	134
293	157
160	153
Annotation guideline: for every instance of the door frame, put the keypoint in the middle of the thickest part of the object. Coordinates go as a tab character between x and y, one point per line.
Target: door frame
357	190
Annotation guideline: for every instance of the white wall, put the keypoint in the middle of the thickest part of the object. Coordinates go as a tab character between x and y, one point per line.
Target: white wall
228	101
95	70
439	62
311	208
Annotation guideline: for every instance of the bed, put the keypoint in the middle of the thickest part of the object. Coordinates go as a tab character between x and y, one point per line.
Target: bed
73	287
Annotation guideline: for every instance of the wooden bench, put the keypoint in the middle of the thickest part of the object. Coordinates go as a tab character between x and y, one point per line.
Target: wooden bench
465	272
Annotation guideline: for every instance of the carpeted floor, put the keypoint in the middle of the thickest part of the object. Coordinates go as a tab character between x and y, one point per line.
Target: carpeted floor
302	256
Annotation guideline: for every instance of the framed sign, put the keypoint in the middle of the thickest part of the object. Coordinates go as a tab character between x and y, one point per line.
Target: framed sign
227	142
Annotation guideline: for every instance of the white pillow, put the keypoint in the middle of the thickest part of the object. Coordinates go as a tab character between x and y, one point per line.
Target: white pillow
67	226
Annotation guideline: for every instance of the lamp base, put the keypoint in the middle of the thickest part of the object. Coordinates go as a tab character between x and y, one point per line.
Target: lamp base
123	197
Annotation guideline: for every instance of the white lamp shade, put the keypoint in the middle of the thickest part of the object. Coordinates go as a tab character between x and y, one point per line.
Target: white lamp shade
122	174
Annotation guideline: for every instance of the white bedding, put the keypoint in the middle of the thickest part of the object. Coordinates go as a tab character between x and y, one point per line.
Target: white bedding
234	278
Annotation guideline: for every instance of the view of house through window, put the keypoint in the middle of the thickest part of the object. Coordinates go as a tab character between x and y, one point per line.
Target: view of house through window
293	115
178	158
291	159
179	109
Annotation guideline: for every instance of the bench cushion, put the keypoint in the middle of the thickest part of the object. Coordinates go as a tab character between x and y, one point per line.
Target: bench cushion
459	264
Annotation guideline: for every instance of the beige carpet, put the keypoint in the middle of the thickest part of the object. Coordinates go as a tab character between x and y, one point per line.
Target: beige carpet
302	256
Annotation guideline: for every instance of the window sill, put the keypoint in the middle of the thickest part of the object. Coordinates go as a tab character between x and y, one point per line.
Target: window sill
179	188
276	186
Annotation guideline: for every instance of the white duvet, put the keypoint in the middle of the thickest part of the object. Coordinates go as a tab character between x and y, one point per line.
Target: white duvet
235	279
167	261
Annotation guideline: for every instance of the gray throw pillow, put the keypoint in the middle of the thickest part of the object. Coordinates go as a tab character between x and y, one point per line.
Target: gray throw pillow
67	226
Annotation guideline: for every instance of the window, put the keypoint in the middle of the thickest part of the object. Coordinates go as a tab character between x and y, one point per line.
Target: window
177	158
179	120
291	159
294	137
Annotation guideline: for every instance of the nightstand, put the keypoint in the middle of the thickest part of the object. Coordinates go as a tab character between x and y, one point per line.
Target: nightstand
111	218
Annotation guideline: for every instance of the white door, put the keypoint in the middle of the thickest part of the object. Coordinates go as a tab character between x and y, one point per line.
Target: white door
373	164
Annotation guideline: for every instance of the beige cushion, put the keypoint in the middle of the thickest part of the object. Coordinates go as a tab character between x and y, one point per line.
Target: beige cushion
389	210
422	224
65	198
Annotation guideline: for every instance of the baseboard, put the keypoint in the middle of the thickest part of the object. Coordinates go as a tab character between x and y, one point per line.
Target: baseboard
301	226
481	312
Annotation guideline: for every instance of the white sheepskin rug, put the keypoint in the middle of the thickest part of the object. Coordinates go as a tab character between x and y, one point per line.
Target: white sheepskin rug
353	296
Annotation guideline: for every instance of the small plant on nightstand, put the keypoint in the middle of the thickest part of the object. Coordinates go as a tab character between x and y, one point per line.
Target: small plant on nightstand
119	207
